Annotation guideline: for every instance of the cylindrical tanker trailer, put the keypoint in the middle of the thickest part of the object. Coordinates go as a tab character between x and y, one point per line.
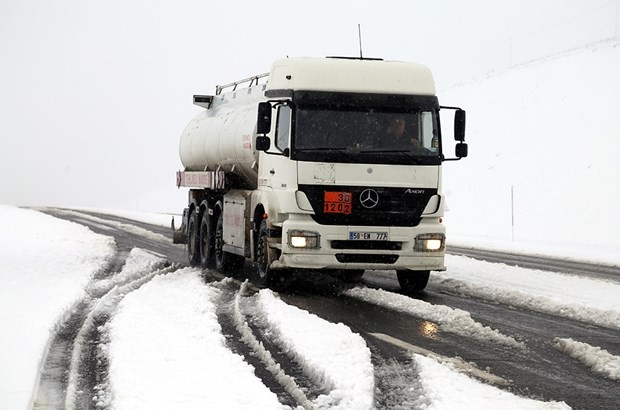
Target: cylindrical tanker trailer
330	164
220	139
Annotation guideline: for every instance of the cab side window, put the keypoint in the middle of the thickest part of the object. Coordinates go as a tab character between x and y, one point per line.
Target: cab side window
428	131
283	127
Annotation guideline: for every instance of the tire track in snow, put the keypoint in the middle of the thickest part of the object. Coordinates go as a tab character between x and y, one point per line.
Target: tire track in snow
51	386
73	368
236	328
310	385
398	384
87	387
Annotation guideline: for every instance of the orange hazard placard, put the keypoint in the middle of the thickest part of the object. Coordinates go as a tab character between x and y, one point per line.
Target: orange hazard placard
338	202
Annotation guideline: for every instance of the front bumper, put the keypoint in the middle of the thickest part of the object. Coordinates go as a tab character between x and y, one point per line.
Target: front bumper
337	251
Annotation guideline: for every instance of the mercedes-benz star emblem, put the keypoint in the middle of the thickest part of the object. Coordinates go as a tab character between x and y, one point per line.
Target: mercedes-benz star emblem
369	198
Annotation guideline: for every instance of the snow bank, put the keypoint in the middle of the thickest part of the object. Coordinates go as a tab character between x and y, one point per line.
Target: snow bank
534	128
445	388
330	352
599	360
167	350
45	264
584	299
450	320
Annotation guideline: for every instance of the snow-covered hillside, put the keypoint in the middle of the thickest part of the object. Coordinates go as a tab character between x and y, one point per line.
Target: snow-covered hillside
548	131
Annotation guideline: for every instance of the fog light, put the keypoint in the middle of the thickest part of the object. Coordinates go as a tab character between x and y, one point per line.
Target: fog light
303	239
430	242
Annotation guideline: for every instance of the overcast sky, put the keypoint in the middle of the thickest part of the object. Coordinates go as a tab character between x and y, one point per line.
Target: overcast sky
94	95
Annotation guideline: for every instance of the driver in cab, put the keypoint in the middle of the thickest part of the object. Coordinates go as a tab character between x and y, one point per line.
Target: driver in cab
396	134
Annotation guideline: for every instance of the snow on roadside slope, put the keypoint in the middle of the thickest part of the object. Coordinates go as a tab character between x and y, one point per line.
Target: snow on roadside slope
584	299
532	146
599	360
167	350
331	352
450	320
44	265
446	388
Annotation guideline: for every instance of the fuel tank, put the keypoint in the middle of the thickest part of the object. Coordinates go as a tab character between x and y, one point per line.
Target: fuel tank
223	136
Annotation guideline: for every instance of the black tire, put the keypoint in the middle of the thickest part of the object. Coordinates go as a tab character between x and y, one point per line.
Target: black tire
412	281
206	242
352	276
192	247
268	277
225	262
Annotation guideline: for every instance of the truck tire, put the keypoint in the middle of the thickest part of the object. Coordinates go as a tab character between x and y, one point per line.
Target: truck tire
206	242
193	253
268	277
352	276
412	281
227	263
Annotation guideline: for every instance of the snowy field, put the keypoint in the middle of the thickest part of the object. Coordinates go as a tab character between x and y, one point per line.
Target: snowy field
45	266
158	333
542	156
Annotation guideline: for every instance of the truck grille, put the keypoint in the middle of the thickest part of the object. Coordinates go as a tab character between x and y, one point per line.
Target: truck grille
395	206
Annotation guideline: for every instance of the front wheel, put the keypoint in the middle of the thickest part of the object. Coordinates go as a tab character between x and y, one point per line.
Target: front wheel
412	281
352	276
267	275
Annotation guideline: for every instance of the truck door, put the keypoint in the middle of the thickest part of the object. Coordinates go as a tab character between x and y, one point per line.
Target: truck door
278	171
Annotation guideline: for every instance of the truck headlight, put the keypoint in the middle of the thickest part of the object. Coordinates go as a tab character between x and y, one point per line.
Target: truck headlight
430	242
303	239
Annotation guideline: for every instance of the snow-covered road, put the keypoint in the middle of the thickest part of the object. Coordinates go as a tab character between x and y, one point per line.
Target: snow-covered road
168	338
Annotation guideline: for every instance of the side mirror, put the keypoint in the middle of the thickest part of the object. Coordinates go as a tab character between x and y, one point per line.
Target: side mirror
459	127
461	150
263	124
263	143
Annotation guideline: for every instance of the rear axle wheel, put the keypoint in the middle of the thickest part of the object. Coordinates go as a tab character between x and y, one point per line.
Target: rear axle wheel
192	247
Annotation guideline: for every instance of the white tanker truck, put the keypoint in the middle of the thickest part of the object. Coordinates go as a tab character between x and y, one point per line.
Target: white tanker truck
332	164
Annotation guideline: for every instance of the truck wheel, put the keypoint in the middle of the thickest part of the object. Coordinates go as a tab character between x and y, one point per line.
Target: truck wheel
193	254
225	262
352	275
206	242
412	281
267	276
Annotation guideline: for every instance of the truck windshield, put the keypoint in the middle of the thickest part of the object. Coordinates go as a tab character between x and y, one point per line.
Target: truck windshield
370	136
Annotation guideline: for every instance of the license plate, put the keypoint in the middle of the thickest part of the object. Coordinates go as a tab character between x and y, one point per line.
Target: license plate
368	236
337	202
